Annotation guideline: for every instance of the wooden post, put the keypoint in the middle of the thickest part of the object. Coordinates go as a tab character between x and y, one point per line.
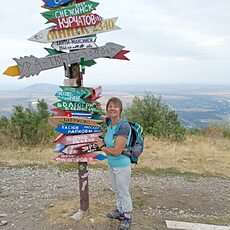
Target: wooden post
73	72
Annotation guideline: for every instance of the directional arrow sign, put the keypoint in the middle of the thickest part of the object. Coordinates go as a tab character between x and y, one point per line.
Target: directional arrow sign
55	3
80	90
96	93
30	66
82	114
80	148
65	158
69	96
71	10
75	120
75	43
49	35
62	112
59	147
87	107
77	129
76	139
76	21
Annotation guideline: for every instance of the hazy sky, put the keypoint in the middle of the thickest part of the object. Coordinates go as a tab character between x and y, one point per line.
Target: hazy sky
170	41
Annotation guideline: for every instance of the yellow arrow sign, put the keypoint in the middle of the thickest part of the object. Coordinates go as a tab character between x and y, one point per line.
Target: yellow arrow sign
12	71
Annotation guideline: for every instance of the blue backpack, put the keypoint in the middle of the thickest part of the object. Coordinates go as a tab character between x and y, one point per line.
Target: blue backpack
136	143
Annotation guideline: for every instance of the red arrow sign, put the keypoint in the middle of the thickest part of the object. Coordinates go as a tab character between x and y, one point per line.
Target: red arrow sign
76	21
121	56
96	93
61	112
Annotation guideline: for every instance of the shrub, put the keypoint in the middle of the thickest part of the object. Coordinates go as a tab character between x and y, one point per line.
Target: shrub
26	127
155	117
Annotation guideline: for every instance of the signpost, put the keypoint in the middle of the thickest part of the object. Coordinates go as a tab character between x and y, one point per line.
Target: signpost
77	114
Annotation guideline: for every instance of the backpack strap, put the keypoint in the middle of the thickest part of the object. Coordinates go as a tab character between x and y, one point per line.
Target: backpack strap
108	122
122	121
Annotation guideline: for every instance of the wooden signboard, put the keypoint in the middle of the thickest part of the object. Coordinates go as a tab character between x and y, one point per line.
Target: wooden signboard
72	158
69	96
91	107
80	90
48	35
77	129
75	43
76	21
31	65
71	10
72	114
75	120
76	139
59	147
80	148
96	93
55	3
83	115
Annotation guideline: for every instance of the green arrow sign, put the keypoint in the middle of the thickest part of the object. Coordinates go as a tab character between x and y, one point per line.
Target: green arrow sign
91	107
82	90
71	10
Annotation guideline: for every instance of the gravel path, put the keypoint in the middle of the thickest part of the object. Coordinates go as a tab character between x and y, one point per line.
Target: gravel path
36	198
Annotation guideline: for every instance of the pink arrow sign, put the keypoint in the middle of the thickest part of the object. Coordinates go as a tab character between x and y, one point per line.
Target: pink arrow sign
76	139
64	158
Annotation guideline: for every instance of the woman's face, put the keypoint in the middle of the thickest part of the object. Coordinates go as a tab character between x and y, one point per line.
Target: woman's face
113	110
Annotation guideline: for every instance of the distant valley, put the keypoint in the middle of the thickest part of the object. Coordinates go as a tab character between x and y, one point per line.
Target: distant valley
196	105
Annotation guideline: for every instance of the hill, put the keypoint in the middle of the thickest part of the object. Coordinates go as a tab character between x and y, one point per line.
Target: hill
196	105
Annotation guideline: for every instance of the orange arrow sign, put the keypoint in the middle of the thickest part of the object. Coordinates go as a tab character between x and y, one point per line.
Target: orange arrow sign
12	71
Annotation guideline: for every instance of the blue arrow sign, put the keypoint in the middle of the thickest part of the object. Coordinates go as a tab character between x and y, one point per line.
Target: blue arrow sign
77	129
59	147
56	3
100	157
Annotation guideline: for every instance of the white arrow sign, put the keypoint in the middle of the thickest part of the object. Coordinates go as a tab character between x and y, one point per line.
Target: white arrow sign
75	43
48	35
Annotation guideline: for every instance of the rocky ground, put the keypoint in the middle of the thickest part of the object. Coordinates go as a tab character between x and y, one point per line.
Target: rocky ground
37	198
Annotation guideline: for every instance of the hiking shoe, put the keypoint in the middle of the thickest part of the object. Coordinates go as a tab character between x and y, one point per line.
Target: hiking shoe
125	224
116	215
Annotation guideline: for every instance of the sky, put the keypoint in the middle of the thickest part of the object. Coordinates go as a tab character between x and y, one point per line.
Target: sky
170	42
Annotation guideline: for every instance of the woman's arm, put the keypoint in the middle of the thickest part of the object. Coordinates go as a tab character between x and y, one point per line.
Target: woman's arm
118	147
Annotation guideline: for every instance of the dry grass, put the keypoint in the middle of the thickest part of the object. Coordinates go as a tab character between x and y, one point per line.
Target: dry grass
23	156
197	154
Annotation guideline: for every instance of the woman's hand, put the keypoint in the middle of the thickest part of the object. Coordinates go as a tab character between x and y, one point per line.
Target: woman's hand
99	142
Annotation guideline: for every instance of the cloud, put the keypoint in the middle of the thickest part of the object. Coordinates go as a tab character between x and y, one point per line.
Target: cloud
168	40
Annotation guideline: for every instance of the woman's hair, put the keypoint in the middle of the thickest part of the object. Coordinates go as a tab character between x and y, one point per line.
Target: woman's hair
116	101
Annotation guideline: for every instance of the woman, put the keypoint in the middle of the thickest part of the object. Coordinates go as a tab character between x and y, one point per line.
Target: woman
119	165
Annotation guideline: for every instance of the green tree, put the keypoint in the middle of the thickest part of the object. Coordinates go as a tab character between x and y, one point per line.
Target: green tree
156	118
26	127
